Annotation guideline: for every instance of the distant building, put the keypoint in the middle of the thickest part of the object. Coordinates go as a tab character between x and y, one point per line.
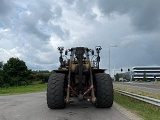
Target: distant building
150	72
125	75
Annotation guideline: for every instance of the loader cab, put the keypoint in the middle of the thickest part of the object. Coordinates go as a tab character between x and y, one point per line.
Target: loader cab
79	56
79	59
79	53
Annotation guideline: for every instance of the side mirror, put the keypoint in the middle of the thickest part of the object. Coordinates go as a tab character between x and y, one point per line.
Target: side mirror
92	52
66	52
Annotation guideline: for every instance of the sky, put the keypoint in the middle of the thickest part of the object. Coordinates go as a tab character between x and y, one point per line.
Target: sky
32	31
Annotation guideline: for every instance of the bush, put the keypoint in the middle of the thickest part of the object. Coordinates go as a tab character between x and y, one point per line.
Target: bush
39	76
15	73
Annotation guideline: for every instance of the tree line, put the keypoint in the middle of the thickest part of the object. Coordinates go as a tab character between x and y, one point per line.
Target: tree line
16	73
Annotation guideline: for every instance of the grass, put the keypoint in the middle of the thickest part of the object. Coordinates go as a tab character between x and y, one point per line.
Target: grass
145	110
23	89
156	83
149	94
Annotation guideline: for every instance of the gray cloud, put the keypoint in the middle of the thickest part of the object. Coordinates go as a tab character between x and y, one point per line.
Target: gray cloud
5	7
30	25
144	14
34	29
62	33
25	17
69	1
137	50
57	12
83	8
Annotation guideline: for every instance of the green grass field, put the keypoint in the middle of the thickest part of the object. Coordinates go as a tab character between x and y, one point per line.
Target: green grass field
23	89
146	111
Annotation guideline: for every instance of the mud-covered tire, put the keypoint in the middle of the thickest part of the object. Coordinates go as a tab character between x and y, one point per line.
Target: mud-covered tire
104	90
55	91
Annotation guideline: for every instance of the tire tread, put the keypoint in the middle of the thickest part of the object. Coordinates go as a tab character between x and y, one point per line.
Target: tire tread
55	91
104	90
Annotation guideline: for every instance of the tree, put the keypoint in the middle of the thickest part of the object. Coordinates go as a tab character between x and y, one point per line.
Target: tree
1	65
144	76
117	77
1	78
15	72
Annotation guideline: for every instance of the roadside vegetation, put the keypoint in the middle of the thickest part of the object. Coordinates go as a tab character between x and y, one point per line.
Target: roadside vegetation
156	83
15	77
153	95
23	89
145	110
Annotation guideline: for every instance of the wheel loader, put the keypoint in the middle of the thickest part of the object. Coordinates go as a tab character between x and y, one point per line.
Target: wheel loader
79	77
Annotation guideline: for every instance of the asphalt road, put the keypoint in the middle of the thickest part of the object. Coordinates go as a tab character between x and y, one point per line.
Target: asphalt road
147	87
33	107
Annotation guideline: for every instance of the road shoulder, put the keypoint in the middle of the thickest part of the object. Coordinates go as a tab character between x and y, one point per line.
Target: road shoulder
126	112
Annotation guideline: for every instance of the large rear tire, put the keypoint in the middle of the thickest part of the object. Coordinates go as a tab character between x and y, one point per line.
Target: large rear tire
56	91
104	90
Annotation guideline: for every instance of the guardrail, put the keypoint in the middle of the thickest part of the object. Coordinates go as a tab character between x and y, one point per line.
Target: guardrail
140	97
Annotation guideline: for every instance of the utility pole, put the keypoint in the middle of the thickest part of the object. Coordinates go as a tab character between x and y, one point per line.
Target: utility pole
109	56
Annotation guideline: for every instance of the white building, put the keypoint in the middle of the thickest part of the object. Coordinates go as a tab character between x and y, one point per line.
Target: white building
150	72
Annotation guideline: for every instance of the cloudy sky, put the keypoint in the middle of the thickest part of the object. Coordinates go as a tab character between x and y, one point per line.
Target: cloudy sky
32	30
